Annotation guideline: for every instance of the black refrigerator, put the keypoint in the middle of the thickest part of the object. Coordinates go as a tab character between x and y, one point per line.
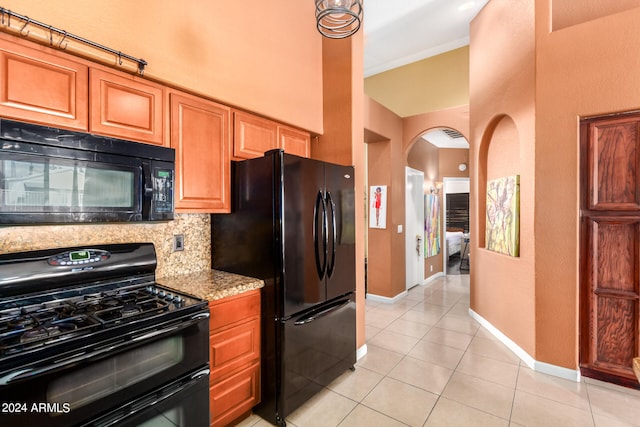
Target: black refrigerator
293	225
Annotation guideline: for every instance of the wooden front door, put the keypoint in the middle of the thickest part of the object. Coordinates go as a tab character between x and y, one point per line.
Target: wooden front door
610	248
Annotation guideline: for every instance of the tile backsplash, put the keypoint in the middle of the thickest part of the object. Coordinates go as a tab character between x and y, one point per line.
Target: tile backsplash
196	229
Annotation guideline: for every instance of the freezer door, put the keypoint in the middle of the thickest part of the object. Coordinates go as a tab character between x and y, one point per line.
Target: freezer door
304	233
340	202
318	347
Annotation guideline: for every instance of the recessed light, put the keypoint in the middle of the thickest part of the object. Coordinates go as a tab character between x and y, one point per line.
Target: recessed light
466	5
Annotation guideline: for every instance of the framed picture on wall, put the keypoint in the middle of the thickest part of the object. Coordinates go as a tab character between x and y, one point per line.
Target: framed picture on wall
431	225
503	215
378	211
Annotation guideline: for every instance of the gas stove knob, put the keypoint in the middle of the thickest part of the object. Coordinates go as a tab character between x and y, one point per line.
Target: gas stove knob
161	294
168	297
177	300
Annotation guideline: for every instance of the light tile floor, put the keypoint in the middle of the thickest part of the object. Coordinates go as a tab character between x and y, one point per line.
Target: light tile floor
429	363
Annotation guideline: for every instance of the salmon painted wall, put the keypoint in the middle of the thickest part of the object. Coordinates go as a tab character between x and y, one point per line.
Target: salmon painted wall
386	258
343	139
246	54
524	119
502	125
582	70
387	157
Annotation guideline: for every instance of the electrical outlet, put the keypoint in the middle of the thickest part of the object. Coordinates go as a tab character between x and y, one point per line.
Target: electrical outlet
178	242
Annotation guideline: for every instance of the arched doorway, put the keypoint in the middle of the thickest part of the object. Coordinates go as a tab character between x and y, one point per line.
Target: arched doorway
442	154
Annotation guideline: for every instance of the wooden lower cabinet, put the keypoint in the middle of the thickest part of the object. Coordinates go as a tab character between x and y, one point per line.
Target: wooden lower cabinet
235	396
234	357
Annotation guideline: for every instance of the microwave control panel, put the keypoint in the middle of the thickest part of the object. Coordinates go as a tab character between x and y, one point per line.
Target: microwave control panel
162	190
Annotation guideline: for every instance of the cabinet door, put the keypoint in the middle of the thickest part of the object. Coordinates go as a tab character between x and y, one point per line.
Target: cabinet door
252	135
233	348
201	138
126	107
234	396
42	87
294	141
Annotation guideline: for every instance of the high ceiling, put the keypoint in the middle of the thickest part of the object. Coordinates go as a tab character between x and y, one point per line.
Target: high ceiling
399	32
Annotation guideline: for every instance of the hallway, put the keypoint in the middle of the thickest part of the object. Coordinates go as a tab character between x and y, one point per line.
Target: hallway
430	364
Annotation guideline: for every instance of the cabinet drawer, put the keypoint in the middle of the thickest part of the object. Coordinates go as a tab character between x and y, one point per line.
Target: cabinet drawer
234	396
230	310
234	347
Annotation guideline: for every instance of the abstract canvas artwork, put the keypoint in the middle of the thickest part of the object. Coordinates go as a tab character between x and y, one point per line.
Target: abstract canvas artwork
503	215
431	225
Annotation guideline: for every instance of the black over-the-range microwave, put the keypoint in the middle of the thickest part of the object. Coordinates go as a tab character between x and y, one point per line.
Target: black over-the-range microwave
53	176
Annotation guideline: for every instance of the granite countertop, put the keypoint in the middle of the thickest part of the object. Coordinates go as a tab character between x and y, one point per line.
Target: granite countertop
211	285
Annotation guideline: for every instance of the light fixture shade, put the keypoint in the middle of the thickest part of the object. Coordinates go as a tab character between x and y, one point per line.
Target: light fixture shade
338	19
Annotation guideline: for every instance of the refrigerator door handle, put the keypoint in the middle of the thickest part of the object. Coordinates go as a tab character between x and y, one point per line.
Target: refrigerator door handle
321	313
334	231
321	265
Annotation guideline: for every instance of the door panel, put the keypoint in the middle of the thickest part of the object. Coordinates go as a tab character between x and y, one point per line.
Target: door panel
613	166
341	212
41	87
126	107
303	287
200	136
321	343
610	248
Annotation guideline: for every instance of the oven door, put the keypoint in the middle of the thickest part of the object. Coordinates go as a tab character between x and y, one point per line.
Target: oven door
183	402
69	394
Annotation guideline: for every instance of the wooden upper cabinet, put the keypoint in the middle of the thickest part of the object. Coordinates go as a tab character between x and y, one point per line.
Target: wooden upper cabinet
200	134
294	141
41	87
253	135
126	107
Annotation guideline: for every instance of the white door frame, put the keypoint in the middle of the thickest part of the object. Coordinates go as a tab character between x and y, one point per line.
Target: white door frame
414	225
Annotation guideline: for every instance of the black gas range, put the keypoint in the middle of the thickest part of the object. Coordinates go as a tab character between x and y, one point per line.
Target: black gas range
87	337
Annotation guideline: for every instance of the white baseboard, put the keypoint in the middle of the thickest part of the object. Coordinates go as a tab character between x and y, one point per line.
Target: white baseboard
361	352
545	368
433	277
386	300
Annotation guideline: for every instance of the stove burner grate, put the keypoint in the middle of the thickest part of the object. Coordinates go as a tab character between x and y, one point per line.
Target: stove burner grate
46	323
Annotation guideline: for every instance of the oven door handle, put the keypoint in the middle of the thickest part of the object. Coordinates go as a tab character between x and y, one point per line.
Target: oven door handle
194	319
22	374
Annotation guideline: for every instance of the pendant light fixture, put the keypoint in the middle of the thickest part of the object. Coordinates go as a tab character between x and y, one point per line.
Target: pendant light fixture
338	19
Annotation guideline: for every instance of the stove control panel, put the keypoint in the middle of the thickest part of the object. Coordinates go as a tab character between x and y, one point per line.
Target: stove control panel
168	296
79	257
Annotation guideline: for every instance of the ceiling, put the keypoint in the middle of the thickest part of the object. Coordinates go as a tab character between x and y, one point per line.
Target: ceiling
400	32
